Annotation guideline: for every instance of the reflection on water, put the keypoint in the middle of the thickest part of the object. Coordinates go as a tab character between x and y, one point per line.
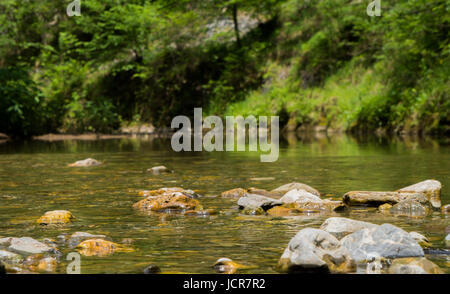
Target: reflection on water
34	178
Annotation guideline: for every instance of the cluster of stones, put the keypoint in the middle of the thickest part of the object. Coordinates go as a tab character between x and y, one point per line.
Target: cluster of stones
27	255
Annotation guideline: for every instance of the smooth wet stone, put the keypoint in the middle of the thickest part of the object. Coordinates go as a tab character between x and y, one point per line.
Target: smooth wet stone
445	209
299	186
233	193
411	208
85	163
430	188
152	269
414	265
56	217
100	247
385	241
27	245
341	226
157	170
176	201
315	251
375	198
254	202
227	266
299	196
279	211
421	239
447	240
78	237
10	257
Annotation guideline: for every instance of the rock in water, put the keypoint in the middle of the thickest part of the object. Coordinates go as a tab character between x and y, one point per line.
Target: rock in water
176	201
413	265
385	241
430	188
445	209
373	198
227	266
27	245
10	258
233	193
255	202
85	163
157	170
299	196
100	247
299	186
341	226
315	251
152	269
410	207
56	217
78	237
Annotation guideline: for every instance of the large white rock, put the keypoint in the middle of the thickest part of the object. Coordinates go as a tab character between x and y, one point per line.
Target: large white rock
299	196
341	226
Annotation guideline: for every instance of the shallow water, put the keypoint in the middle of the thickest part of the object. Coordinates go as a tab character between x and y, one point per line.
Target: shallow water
34	178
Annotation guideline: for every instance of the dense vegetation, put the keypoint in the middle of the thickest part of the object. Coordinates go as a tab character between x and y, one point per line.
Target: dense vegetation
314	63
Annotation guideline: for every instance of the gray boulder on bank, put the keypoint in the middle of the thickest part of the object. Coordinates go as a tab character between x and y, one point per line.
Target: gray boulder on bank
385	241
341	226
313	250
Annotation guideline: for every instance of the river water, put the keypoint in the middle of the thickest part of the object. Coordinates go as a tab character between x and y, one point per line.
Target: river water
34	178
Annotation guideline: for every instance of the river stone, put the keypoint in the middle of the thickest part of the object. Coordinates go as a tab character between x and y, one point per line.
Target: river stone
414	265
421	239
168	202
315	251
299	186
445	209
409	207
157	170
375	198
10	257
27	245
56	217
447	240
233	193
430	188
85	163
299	196
385	241
341	226
78	237
253	202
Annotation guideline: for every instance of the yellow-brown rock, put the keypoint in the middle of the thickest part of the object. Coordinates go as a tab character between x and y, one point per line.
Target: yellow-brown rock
168	202
56	217
233	193
414	265
159	192
282	211
100	247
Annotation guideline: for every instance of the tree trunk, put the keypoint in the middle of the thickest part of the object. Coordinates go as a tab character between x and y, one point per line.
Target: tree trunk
236	25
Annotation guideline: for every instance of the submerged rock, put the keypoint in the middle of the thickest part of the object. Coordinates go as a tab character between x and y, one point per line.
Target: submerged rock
430	188
445	209
410	207
414	266
315	251
100	247
78	237
278	211
85	163
375	198
152	269
56	217
26	245
257	202
157	170
227	266
341	226
385	241
298	186
10	257
175	201
233	193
